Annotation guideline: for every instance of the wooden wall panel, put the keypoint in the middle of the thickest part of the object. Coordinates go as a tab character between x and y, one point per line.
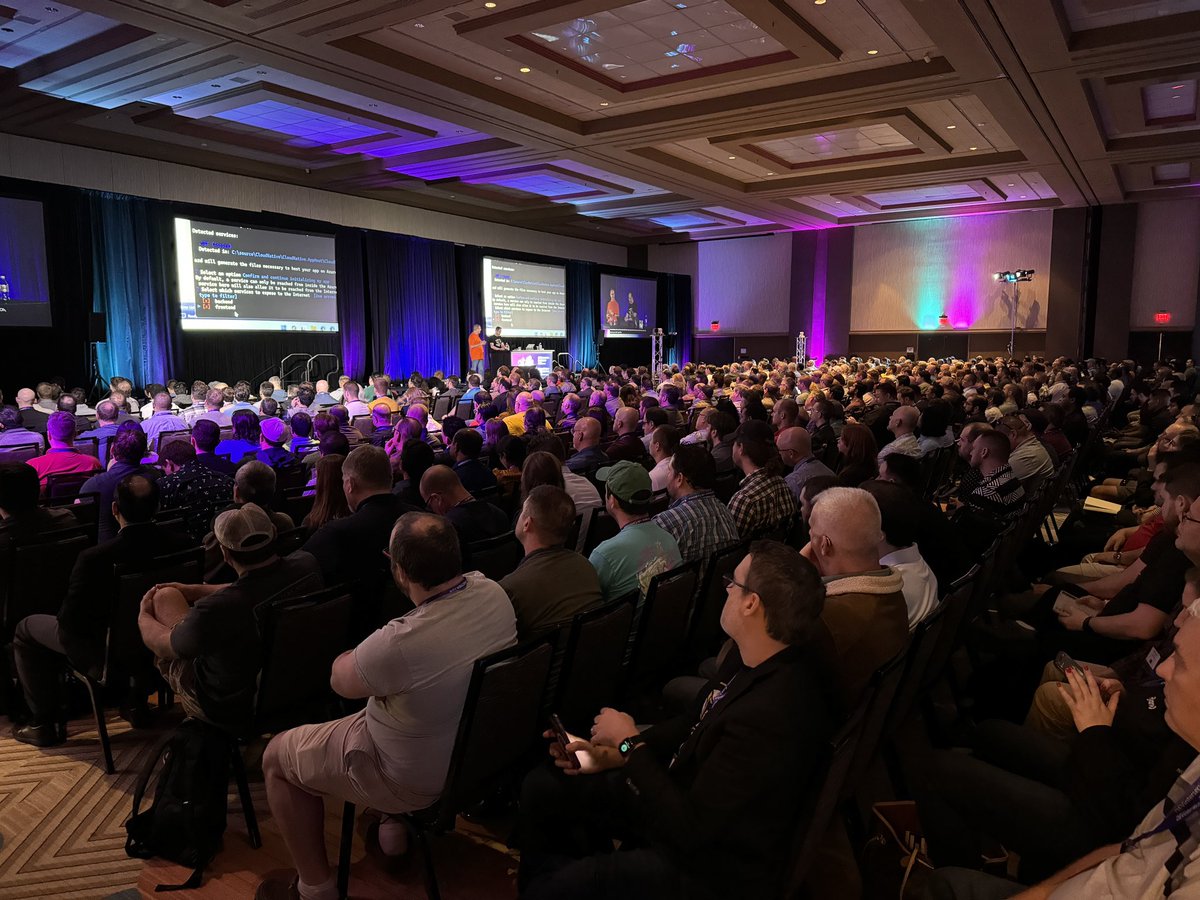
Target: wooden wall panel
1166	261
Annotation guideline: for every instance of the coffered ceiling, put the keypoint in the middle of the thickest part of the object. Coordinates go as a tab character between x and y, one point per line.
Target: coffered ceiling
633	121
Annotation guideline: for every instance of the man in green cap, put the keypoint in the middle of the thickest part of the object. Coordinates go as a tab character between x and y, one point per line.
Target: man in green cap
640	549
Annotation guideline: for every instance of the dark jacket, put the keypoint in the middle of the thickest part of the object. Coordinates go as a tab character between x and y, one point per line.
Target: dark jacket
726	809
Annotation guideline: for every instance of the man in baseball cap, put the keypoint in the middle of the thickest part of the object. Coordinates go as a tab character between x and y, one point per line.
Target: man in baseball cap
274	444
206	635
640	550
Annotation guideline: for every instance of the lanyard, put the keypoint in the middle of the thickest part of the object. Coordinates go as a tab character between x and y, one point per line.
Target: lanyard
446	593
1184	810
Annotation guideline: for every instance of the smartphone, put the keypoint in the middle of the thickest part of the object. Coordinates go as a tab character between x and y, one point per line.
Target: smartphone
1063	662
561	737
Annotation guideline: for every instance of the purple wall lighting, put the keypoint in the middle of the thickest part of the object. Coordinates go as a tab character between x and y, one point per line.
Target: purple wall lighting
312	127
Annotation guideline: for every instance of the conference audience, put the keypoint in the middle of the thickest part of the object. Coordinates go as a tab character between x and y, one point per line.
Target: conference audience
245	437
473	520
329	497
205	439
188	485
641	549
902	426
1027	457
699	522
128	449
898	549
273	445
627	445
859	455
62	457
586	441
795	450
662	446
763	501
13	432
394	754
583	493
161	418
552	583
105	428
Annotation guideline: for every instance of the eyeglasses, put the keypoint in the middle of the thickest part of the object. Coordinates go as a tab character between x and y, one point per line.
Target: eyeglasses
729	580
1187	518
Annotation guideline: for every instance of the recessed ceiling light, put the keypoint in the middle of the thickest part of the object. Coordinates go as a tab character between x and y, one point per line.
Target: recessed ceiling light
978	124
1174	96
525	70
872	52
204	145
498	77
604	103
951	127
733	157
489	5
1023	196
418	24
1010	184
770	173
819	2
972	148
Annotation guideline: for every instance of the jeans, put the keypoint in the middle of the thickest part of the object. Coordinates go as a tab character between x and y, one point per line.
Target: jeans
967	884
1008	791
40	652
565	834
477	366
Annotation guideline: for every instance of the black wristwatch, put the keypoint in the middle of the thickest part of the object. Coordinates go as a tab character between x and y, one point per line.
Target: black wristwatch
1087	625
630	744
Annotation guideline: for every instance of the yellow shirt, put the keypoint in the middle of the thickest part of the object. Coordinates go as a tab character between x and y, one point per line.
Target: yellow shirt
391	404
515	423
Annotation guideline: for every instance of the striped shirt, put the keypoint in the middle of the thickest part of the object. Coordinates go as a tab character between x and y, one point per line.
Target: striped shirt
700	524
762	503
999	495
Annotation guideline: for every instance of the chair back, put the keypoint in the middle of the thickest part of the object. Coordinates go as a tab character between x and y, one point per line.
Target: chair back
19	453
84	507
181	435
288	542
363	425
661	630
89	446
441	406
659	503
125	655
37	575
726	485
496	557
295	504
591	668
301	637
879	695
704	633
465	410
173	520
924	639
954	607
290	476
63	485
602	527
499	725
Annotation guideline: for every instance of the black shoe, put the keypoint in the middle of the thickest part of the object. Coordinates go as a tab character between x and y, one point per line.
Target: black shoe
45	735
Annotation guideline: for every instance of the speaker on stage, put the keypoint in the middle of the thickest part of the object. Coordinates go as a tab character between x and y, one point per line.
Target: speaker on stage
97	328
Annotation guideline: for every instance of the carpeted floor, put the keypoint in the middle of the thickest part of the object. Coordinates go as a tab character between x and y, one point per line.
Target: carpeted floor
62	834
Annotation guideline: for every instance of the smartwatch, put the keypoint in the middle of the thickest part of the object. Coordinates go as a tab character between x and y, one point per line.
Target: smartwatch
630	744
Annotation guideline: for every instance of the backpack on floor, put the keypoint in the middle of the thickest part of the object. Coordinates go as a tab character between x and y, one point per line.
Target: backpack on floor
186	820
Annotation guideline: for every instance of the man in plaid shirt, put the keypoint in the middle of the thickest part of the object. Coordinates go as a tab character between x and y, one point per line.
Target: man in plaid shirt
697	520
764	501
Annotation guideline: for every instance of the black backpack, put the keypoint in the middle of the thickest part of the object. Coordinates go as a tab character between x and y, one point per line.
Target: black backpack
185	822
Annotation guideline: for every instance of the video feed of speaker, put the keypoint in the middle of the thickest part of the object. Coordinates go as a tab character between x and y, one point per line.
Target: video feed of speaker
627	305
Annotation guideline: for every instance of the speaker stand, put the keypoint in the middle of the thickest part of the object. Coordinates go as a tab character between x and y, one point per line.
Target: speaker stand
99	385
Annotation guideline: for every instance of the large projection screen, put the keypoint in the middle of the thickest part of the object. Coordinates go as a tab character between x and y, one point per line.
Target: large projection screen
524	299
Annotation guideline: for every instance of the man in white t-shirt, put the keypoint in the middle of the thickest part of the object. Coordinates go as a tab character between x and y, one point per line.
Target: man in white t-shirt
898	548
394	755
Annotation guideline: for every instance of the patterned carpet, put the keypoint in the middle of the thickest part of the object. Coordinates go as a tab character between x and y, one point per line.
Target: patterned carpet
62	831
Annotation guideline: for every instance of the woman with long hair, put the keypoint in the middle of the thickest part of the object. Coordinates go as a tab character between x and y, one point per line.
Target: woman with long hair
404	431
330	502
540	468
246	433
494	431
858	449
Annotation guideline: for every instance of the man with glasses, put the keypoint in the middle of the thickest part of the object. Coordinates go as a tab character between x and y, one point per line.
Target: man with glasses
705	803
1028	459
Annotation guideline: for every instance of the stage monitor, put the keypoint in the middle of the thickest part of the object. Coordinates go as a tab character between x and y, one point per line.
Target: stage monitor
24	284
542	360
235	278
524	299
627	305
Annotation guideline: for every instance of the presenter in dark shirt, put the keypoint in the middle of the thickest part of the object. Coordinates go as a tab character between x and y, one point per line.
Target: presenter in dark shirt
498	350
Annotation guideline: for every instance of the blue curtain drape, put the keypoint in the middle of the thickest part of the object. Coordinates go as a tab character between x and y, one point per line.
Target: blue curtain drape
413	298
583	312
131	285
678	298
352	301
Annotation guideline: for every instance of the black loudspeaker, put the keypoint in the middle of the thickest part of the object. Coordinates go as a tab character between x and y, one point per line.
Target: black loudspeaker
97	328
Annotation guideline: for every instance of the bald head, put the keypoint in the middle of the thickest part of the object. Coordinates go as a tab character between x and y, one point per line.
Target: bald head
441	489
846	529
523	401
903	420
586	433
162	402
794	445
25	397
626	420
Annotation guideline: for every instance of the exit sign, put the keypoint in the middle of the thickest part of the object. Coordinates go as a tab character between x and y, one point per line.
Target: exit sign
1162	318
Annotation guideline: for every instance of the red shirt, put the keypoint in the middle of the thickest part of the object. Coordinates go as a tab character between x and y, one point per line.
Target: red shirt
62	460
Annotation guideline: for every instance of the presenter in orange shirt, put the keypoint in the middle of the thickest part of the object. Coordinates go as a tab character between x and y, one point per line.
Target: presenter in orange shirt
475	349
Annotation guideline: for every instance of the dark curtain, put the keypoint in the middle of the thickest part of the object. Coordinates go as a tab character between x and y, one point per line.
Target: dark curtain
230	356
131	275
352	301
676	292
413	299
583	312
469	263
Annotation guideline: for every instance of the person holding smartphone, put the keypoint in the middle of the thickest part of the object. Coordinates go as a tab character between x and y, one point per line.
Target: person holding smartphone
704	803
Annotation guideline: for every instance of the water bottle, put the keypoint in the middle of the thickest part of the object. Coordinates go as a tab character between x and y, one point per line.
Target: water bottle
3	288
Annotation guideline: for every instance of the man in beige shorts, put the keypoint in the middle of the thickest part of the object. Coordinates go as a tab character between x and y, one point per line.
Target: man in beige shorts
394	755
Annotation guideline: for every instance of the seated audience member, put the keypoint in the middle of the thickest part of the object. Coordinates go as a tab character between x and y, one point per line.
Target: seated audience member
21	518
254	482
582	491
266	391
902	425
535	420
938	541
342	419
381	386
722	430
515	423
161	419
763	502
651	419
662	447
865	618
246	436
381	421
188	485
33	416
127	450
586	440
465	449
420	414
934	423
62	458
304	400
240	399
898	549
473	520
302	441
13	432
190	414
996	497
214	401
598	410
351	547
552	583
392	756
668	792
795	450
641	549
350	400
572	410
785	414
859	455
206	437
540	468
273	445
323	397
700	523
105	429
329	501
627	445
43	643
1080	816
206	636
1028	458
416	459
